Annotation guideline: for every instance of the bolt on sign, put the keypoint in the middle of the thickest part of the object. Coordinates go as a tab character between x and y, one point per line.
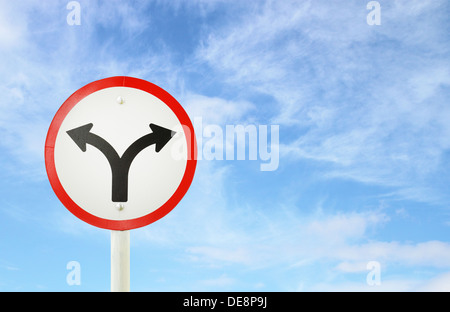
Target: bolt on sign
120	153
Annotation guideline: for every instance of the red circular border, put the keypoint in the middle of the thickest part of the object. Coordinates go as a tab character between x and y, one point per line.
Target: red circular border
59	190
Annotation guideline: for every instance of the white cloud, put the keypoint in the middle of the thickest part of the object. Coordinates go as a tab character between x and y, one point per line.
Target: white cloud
430	253
437	283
352	267
394	285
223	234
202	213
369	102
221	281
130	17
215	110
49	60
440	283
217	256
11	31
342	227
335	246
243	52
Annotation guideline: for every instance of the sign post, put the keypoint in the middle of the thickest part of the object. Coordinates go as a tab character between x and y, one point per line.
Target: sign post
120	261
120	154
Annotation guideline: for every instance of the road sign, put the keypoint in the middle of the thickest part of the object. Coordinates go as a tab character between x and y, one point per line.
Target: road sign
120	153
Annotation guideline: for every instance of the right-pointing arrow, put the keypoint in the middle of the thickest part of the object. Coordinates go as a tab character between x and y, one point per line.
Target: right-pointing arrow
162	136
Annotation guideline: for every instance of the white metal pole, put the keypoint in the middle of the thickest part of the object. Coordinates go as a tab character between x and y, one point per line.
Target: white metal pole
120	261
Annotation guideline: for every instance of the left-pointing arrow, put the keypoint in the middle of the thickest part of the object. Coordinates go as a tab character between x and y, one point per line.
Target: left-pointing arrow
80	135
83	136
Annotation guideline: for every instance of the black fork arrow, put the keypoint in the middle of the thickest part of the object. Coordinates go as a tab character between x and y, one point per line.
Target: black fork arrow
120	166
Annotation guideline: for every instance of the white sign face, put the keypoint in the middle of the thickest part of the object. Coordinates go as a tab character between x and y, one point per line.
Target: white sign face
116	153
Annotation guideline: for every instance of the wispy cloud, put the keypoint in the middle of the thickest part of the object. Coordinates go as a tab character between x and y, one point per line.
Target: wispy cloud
440	283
222	235
361	103
368	102
221	281
216	110
48	60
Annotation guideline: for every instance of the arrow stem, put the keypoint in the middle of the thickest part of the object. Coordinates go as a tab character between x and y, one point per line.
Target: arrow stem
103	146
135	148
120	184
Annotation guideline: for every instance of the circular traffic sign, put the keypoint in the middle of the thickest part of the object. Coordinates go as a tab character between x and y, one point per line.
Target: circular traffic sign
120	153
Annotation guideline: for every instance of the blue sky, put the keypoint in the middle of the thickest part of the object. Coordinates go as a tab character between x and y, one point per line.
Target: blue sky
364	139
